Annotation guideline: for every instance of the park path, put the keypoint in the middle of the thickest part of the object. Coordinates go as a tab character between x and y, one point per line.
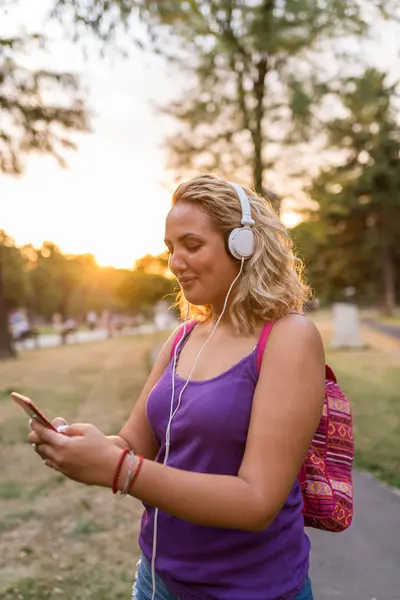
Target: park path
52	340
362	563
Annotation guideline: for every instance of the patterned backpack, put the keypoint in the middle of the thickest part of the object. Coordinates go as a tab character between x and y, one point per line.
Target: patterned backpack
325	476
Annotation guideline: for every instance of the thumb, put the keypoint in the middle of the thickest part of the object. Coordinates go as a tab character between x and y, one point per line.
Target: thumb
75	429
59	422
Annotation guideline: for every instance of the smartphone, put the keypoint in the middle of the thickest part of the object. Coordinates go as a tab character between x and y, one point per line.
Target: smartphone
34	413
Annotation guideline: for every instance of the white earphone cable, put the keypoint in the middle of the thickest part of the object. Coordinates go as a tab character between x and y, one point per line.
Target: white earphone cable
173	412
155	529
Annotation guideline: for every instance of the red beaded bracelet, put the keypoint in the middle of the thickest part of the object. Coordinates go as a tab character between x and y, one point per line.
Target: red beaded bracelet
140	463
118	470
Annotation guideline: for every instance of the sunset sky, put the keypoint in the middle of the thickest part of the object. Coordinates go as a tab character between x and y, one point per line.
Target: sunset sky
113	198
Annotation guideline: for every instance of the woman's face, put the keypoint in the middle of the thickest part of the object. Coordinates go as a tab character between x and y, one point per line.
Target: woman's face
198	257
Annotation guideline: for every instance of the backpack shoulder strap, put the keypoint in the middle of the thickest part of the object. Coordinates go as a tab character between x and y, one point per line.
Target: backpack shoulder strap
329	374
179	335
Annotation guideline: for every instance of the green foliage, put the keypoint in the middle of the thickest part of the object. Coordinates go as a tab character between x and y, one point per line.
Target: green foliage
255	75
45	281
105	19
31	122
352	238
52	280
153	264
14	265
141	290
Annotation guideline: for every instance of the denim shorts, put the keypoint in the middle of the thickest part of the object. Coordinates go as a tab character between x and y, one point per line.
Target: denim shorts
143	586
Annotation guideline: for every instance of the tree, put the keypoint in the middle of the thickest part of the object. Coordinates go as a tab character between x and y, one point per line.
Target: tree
7	349
359	199
16	286
153	264
33	119
140	291
53	280
255	73
13	289
31	123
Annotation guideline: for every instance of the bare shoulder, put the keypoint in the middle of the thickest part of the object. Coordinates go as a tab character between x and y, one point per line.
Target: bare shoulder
298	330
166	349
294	339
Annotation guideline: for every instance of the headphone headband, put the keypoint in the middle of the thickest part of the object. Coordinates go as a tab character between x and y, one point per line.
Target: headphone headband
245	204
241	240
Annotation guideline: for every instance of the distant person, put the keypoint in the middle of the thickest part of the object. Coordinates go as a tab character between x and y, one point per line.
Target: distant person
91	320
69	327
18	323
57	322
213	445
20	328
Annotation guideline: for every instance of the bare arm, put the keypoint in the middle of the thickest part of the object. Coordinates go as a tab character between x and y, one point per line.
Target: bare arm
136	431
286	410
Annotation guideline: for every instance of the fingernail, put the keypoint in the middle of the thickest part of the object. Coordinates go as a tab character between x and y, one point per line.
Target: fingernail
33	446
61	428
30	422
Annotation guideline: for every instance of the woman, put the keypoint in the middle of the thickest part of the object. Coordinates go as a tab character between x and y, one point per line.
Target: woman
221	441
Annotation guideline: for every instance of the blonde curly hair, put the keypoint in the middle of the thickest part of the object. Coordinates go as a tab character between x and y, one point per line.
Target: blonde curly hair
272	282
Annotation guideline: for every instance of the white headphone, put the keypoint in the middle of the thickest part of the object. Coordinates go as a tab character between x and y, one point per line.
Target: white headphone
241	239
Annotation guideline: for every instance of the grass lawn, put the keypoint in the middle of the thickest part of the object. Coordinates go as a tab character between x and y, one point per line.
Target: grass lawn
59	539
373	385
377	315
49	329
371	379
395	320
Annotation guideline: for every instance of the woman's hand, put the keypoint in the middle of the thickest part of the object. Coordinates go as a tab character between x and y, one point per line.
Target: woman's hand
80	452
59	423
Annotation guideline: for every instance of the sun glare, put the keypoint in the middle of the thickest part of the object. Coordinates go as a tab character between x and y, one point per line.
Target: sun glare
290	219
93	207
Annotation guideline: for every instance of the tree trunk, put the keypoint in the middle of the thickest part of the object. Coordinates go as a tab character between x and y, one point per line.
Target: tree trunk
258	135
259	112
388	280
259	92
7	349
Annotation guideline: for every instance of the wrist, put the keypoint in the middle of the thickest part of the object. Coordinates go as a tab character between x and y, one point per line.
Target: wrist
119	441
109	466
126	472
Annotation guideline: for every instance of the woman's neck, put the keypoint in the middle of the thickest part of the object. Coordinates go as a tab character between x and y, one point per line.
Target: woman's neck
225	321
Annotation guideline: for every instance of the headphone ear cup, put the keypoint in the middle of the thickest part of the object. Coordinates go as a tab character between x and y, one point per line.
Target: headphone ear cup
241	242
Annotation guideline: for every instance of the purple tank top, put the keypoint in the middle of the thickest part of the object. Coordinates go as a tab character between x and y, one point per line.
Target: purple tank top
208	435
